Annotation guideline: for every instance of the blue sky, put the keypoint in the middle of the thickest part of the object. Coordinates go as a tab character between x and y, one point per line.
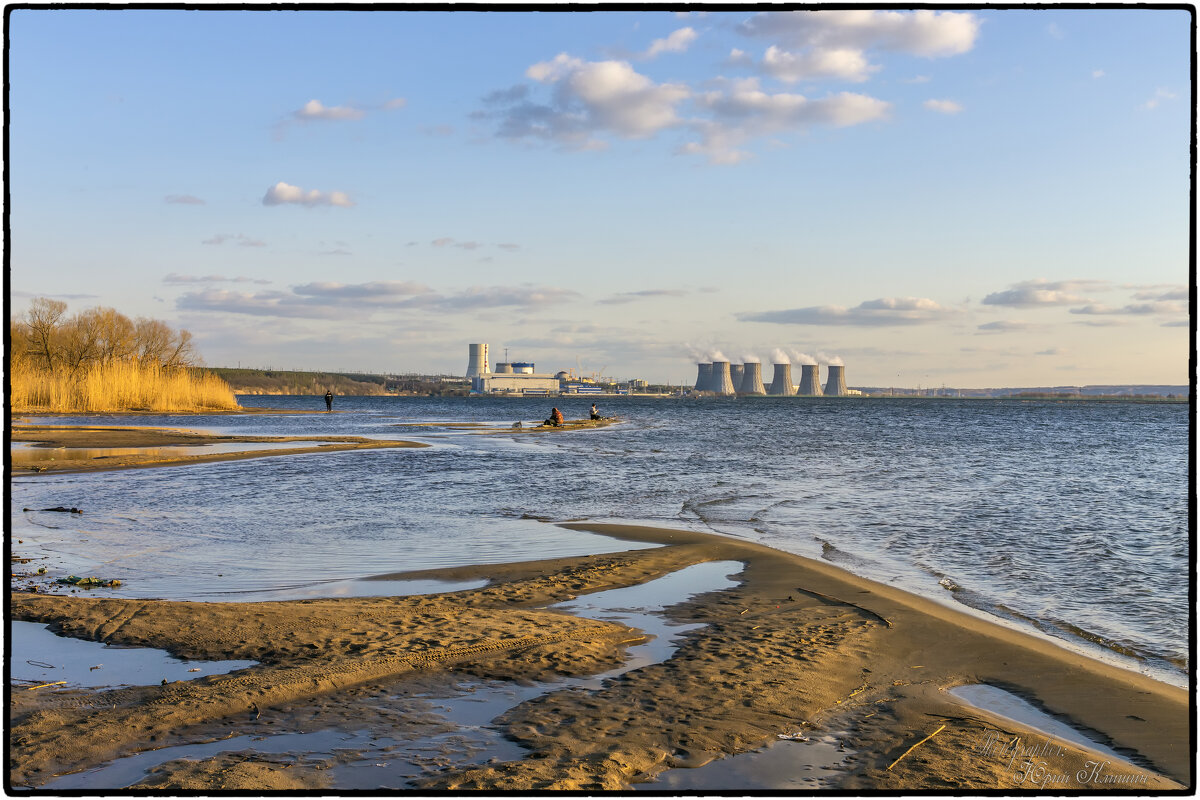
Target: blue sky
966	198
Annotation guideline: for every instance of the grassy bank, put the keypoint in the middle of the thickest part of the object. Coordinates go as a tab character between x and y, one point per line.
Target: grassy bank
117	387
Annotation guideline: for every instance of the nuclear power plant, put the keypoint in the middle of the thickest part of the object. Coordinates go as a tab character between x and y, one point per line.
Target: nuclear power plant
752	379
716	378
810	381
782	383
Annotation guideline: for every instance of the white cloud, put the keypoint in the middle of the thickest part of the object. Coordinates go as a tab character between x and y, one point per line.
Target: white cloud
183	199
1168	307
677	42
885	311
314	110
588	99
1029	294
921	33
743	111
286	194
1005	326
175	277
329	300
1097	73
1159	96
612	95
843	63
241	239
1171	293
943	106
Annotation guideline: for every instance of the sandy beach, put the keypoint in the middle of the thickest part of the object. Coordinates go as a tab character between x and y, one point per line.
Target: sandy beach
797	647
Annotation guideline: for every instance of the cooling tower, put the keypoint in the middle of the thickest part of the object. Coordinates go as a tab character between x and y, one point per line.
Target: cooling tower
477	360
503	368
752	379
735	374
782	384
810	379
721	382
703	377
835	384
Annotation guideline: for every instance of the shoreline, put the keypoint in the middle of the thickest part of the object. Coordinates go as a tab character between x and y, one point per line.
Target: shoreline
800	646
797	645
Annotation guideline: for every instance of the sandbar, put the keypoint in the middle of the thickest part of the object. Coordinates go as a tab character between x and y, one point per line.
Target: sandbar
798	647
83	441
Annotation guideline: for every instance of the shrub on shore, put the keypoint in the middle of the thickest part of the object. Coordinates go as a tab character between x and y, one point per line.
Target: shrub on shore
101	361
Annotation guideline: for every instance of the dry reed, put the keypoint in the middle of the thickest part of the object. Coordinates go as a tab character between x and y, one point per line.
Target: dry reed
117	387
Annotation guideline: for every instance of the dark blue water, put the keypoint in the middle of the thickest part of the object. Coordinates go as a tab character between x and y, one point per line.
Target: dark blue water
1070	518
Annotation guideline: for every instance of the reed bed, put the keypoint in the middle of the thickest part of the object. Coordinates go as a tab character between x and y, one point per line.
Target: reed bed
117	387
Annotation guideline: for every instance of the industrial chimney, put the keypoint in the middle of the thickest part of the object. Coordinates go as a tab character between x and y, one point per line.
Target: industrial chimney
477	360
810	379
752	379
782	383
703	377
835	384
735	374
721	382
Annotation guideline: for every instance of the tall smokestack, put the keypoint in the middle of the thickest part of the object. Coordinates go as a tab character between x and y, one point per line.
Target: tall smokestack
752	379
810	379
736	373
835	384
703	377
721	382
782	384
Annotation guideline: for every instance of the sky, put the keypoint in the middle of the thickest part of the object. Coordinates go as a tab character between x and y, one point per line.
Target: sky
942	197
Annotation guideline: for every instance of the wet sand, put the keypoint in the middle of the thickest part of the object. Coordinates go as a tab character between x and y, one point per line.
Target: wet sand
799	646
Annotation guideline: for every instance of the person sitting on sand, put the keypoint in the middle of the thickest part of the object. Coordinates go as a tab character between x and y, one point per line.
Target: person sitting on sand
556	418
595	413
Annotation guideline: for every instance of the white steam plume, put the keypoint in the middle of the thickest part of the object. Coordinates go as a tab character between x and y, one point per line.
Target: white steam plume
751	359
780	357
802	358
833	361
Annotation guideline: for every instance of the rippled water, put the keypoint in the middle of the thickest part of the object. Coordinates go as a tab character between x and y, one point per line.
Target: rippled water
1067	517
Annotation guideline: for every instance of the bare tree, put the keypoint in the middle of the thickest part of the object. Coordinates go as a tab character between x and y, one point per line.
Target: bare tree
98	335
113	334
41	326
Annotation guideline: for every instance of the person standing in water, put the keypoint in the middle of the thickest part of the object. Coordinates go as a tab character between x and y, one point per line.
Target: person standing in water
329	401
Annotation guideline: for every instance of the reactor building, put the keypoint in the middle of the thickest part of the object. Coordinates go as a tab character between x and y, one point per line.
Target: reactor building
477	360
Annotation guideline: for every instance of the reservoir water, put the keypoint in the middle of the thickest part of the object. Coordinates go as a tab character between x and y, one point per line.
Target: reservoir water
1069	519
